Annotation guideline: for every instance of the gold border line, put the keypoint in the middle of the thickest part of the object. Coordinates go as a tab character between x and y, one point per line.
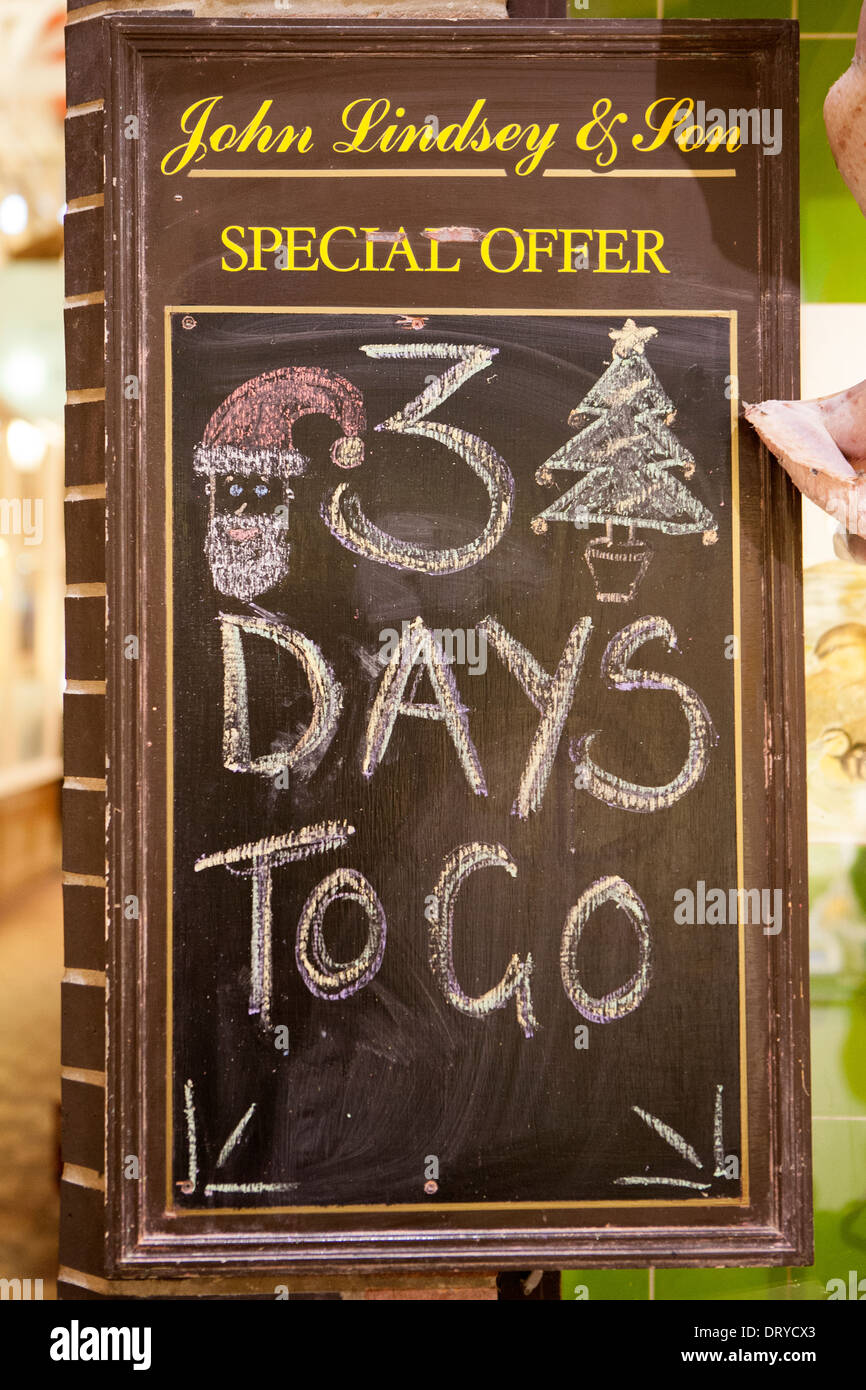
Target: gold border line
169	726
457	174
640	174
597	1204
347	174
738	748
442	310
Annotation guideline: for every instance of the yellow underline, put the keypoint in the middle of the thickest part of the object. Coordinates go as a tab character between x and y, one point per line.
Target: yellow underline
348	173
457	174
641	174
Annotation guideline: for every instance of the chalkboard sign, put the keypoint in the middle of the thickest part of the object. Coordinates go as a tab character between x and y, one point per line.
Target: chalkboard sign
455	793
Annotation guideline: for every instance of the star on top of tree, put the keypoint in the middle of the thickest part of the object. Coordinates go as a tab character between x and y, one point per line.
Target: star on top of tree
631	339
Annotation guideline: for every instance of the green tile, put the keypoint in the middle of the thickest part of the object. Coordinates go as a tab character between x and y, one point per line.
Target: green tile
840	1252
839	1057
834	250
605	1285
614	9
839	1158
833	228
802	1288
682	1285
727	9
839	1154
826	864
829	16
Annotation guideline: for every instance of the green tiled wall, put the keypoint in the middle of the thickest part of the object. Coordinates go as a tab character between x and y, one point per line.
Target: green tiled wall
833	230
829	16
726	9
839	1150
672	1285
607	1285
834	270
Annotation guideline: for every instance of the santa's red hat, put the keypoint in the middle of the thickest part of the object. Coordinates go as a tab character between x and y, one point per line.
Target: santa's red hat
251	432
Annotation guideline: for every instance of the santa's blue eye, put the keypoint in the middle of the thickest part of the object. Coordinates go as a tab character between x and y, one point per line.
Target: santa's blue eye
235	490
261	490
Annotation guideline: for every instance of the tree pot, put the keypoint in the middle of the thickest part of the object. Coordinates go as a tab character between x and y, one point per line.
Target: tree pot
617	568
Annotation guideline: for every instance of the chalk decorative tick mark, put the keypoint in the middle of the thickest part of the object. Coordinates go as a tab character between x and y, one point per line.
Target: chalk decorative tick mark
681	1146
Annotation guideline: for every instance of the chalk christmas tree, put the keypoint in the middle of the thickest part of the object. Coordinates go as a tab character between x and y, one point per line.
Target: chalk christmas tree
627	455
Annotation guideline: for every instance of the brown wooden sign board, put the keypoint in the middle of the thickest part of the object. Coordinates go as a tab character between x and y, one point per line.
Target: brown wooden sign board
455	838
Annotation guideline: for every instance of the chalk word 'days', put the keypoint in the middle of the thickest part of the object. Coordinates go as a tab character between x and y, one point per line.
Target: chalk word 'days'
552	695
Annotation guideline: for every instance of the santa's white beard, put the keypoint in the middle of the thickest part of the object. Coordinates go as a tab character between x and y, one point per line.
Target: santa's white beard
244	569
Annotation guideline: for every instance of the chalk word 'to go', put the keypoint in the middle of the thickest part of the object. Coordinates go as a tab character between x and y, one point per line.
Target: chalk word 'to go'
332	980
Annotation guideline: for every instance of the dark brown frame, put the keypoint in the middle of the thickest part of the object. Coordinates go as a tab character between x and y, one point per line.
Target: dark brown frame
778	1228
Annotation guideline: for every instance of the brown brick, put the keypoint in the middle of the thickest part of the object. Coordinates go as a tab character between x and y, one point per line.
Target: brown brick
85	79
75	1293
82	1224
83	831
85	443
85	143
85	541
84	735
85	639
85	347
83	927
85	252
82	1026
83	1112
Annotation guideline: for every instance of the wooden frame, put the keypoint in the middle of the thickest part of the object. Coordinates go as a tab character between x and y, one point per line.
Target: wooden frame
775	1227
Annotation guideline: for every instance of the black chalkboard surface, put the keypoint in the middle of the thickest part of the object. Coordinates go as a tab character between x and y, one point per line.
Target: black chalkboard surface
559	1087
455	851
